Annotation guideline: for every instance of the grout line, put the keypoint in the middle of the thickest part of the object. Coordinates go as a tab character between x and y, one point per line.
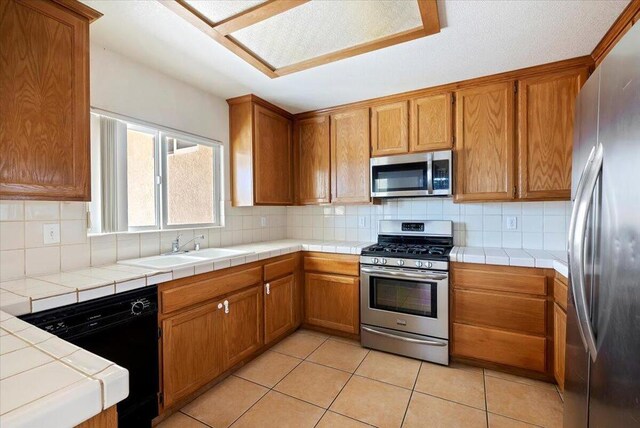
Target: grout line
194	418
484	387
413	388
517	420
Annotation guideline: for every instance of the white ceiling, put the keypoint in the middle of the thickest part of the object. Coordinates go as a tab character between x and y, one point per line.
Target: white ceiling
478	38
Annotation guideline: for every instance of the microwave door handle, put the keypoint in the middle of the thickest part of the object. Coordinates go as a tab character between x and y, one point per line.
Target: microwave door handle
430	173
393	274
576	245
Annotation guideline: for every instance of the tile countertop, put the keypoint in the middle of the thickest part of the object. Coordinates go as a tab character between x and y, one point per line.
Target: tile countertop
512	257
45	381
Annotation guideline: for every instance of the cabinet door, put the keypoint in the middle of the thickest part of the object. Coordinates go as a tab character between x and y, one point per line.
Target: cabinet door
485	143
350	156
431	127
390	129
559	343
313	159
44	93
278	307
332	301
191	351
242	325
546	109
272	158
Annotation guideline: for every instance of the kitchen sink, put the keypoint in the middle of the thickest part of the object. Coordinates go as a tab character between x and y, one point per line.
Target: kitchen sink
170	261
217	253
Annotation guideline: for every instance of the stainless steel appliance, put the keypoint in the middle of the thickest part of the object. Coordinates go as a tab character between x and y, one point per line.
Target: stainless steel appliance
417	174
124	329
404	289
602	383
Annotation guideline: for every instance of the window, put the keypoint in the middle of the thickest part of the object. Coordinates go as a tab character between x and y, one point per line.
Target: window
153	178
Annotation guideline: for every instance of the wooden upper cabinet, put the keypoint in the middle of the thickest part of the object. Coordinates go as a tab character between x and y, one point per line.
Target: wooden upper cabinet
312	143
44	93
261	153
350	156
546	111
431	127
192	344
242	325
390	129
484	152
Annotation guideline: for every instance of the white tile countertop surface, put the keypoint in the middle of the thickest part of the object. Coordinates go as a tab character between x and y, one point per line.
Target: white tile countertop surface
512	257
34	294
46	381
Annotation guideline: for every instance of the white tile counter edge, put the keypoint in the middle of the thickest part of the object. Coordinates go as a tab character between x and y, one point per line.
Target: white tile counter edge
512	257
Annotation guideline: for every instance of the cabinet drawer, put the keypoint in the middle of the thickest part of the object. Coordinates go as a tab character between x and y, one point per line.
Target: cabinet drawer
560	293
515	280
502	347
341	265
525	314
279	269
208	288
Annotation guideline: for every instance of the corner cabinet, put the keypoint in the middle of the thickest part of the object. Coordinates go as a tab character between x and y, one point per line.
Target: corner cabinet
546	111
350	157
312	145
485	150
44	93
261	153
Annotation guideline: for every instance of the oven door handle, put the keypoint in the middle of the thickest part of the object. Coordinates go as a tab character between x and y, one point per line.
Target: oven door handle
394	274
404	339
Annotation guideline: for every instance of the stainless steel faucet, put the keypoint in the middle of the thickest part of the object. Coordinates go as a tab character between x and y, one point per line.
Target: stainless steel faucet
177	248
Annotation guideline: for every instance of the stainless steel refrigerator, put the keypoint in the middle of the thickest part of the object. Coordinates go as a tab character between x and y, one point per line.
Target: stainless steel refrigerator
602	385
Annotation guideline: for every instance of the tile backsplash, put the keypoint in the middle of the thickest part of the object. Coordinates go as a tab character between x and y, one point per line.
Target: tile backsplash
23	252
538	225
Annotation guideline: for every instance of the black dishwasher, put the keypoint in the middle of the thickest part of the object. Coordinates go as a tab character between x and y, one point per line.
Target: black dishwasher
122	328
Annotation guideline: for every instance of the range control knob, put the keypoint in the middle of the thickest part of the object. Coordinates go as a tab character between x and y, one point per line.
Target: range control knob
429	264
419	263
400	262
137	307
384	261
375	260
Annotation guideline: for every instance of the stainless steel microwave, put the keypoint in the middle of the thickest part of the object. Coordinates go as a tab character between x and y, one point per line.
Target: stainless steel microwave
417	174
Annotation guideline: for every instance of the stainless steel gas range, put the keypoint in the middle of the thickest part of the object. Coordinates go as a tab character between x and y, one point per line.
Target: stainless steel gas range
404	289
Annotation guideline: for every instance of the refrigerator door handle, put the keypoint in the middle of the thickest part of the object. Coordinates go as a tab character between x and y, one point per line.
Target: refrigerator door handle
576	246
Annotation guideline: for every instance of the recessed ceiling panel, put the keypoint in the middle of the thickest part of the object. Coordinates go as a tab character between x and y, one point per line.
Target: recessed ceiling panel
219	10
321	27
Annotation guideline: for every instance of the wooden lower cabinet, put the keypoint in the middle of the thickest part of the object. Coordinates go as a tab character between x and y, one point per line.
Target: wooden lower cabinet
500	317
333	302
242	326
559	343
192	350
278	308
108	418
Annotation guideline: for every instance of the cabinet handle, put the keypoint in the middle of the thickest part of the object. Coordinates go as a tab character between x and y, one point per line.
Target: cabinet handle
268	288
219	305
226	306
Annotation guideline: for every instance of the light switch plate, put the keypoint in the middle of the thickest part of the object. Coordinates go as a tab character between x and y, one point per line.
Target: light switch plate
263	222
51	233
512	223
362	221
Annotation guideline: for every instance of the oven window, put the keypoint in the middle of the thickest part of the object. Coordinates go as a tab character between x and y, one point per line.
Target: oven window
441	175
399	177
407	297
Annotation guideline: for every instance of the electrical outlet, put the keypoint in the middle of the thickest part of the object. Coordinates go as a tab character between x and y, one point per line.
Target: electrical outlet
512	223
51	233
263	222
362	221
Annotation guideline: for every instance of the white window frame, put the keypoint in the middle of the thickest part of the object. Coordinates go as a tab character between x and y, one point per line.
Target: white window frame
217	178
161	134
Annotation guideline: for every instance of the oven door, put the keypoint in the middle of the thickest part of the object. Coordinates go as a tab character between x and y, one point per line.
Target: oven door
419	174
411	300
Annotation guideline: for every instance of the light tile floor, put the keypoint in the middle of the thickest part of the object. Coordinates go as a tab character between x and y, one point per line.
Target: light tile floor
314	380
